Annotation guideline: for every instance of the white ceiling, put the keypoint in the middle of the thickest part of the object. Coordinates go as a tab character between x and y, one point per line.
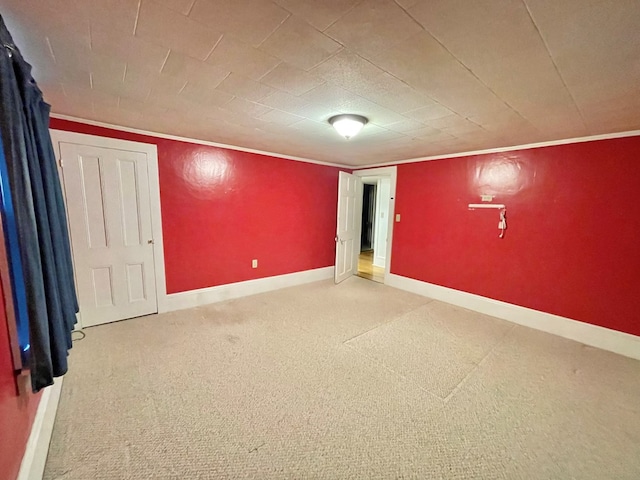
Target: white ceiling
433	76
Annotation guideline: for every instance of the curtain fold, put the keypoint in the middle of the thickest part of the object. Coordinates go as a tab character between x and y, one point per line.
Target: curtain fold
40	216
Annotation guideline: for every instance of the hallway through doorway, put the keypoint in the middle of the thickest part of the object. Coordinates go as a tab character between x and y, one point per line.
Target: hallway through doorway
366	268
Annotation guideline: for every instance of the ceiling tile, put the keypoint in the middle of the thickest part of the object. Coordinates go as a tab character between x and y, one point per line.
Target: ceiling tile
130	49
338	100
291	79
414	60
447	122
245	87
319	14
120	116
298	43
297	106
27	18
429	68
431	133
463	93
388	91
119	15
284	101
90	96
595	45
121	88
67	106
251	22
236	115
312	127
180	6
512	62
495	28
187	68
105	69
245	107
175	31
72	79
405	126
358	75
279	117
203	93
429	112
69	50
373	25
150	80
406	4
241	58
333	97
174	102
347	69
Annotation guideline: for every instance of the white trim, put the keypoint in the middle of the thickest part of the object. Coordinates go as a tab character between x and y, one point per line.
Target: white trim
35	455
193	140
151	151
205	296
593	335
392	174
551	143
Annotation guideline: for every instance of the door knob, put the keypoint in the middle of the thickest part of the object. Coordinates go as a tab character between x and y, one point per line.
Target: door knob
150	242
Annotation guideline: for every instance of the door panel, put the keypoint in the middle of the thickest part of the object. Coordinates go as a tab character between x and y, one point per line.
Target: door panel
110	223
129	202
349	223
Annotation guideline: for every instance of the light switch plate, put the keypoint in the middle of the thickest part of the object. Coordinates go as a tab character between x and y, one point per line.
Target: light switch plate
397	217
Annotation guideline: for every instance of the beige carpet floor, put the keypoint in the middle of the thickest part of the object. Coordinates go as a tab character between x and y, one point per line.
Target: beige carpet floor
357	380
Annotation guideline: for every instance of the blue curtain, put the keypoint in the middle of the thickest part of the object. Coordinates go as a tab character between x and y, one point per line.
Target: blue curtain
39	217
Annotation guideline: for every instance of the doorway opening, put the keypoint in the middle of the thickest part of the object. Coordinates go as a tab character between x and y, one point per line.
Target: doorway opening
364	233
374	232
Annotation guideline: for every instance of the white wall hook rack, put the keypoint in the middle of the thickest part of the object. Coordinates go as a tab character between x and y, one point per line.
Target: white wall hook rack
473	206
502	224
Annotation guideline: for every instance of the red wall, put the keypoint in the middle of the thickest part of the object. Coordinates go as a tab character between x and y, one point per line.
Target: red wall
572	247
222	208
16	411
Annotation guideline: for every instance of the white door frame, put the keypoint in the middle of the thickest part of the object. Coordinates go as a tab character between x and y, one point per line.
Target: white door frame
391	173
151	151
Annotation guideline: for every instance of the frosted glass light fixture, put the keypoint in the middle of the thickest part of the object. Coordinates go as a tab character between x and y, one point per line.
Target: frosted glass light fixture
348	125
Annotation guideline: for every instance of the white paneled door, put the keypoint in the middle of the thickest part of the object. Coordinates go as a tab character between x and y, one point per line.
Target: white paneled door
349	224
108	204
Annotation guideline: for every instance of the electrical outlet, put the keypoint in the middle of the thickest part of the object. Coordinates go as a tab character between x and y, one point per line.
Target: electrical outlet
254	263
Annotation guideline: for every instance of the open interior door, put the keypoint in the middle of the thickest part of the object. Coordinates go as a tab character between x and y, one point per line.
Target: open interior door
349	224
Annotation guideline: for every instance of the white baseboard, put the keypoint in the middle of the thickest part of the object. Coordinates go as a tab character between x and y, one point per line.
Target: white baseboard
205	296
35	455
593	335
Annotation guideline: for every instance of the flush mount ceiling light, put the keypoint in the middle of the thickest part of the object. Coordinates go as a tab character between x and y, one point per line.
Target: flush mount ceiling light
348	125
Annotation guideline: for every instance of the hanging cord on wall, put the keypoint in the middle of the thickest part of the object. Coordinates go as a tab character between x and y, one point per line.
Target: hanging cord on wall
502	224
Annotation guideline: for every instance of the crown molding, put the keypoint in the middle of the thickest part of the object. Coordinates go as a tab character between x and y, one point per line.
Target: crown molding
551	143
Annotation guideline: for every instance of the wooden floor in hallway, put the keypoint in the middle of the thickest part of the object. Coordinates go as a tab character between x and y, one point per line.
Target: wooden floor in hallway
366	268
